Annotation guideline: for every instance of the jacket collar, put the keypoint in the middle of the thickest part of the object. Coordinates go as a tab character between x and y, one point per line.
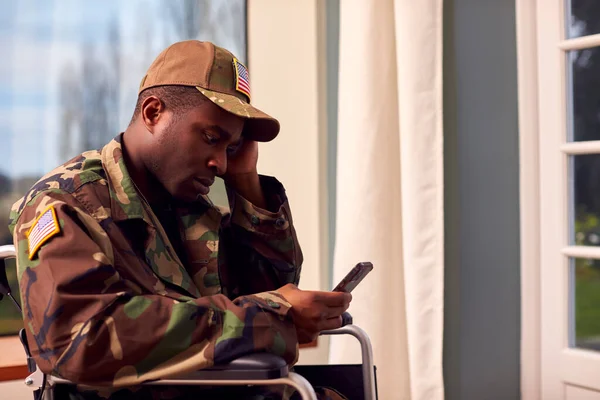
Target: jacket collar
125	202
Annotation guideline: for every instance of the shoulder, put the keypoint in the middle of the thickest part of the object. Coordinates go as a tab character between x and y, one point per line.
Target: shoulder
62	184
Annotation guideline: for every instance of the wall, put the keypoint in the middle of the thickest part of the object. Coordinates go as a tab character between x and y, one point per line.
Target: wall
482	320
286	55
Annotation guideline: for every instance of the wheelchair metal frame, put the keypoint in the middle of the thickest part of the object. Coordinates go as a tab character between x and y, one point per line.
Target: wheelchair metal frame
283	376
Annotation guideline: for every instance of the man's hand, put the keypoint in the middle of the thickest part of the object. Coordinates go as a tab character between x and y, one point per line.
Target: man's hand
243	161
242	175
314	312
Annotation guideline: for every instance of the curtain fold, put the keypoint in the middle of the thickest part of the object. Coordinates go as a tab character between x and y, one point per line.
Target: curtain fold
390	189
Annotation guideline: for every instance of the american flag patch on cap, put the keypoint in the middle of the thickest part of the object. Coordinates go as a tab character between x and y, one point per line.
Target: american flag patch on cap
242	79
44	227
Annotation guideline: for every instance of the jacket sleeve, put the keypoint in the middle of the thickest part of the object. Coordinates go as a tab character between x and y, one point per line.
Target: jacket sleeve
259	250
87	323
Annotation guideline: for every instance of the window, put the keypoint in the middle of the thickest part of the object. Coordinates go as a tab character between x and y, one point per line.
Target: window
583	116
568	80
69	78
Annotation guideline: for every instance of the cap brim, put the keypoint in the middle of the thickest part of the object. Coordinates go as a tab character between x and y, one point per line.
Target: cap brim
259	126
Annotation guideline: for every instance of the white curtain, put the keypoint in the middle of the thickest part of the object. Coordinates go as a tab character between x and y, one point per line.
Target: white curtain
390	189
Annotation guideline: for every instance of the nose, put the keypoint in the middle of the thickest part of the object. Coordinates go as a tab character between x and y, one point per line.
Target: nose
218	163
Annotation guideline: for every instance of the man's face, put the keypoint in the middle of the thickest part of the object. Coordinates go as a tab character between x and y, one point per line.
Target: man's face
187	151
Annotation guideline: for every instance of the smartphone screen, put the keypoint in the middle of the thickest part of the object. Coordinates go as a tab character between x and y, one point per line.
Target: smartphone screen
354	277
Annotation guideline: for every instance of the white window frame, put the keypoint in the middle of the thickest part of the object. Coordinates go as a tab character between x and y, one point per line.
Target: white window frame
546	361
529	198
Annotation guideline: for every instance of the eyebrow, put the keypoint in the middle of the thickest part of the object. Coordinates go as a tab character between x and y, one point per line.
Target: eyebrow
220	130
226	135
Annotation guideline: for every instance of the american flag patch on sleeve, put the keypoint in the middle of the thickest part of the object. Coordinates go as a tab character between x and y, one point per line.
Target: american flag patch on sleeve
44	227
242	79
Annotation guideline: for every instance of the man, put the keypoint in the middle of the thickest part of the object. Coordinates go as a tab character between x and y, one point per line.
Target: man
129	273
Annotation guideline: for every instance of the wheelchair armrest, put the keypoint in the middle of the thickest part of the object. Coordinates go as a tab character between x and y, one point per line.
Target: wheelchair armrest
7	251
257	366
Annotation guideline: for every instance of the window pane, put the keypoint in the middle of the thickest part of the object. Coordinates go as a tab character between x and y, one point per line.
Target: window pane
584	172
584	94
584	18
69	76
585	303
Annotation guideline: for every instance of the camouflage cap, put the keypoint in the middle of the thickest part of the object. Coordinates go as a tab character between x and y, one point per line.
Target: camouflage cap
218	75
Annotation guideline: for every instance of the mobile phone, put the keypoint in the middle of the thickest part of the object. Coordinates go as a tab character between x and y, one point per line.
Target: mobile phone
354	277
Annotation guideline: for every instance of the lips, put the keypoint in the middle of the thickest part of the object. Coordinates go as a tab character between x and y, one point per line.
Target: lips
204	184
206	181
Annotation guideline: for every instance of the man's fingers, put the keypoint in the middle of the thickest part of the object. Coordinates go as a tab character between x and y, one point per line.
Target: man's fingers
332	312
331	323
333	299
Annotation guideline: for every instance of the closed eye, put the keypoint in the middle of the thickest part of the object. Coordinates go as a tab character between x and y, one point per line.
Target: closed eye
211	138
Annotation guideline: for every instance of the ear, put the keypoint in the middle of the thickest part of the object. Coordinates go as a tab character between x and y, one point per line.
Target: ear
151	112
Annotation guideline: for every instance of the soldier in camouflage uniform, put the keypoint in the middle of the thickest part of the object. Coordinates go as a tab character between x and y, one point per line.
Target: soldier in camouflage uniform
129	273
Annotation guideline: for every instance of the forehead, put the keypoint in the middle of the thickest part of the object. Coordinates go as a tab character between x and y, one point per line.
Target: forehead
209	115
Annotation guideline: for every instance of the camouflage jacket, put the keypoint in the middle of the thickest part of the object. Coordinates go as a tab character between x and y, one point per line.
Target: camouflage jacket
108	301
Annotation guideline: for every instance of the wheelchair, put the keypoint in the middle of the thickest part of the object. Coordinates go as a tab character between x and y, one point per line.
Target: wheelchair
259	369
